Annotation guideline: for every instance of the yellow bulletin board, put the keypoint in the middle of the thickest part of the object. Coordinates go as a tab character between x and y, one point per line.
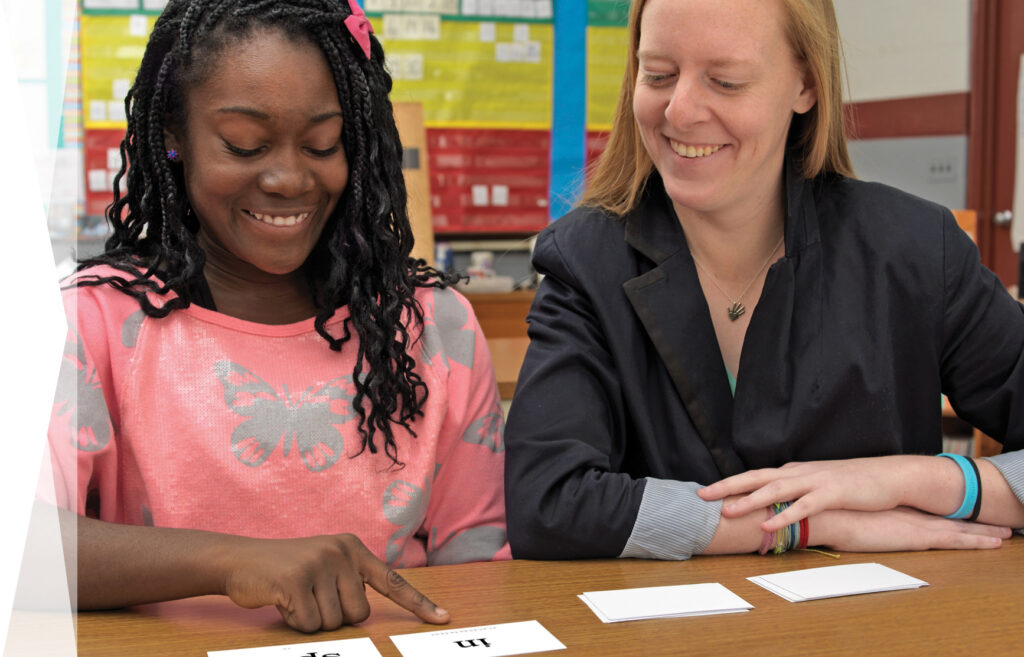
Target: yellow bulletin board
111	49
482	70
471	74
607	47
606	63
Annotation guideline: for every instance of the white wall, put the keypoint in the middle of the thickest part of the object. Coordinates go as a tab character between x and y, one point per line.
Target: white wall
905	48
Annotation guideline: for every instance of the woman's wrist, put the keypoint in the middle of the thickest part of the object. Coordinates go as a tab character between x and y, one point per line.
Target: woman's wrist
825	528
926	483
936	485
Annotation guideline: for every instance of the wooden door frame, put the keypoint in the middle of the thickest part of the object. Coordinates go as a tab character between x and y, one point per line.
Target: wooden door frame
981	148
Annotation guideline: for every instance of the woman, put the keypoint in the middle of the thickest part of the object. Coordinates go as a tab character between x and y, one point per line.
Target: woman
727	300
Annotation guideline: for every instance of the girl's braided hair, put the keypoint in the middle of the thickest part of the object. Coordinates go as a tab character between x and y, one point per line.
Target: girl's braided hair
362	256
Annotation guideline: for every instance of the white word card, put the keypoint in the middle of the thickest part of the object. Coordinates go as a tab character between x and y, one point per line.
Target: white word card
835	581
484	641
664	602
344	648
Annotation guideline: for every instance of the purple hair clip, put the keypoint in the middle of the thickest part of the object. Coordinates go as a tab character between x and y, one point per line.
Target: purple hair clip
359	26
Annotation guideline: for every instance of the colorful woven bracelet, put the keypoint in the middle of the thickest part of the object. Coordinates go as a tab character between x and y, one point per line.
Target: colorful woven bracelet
805	534
790	537
784	538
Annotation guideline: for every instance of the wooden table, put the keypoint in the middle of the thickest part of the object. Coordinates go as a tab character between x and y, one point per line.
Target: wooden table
973	606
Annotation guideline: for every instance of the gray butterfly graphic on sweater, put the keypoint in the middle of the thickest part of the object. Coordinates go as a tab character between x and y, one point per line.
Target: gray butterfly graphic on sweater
307	420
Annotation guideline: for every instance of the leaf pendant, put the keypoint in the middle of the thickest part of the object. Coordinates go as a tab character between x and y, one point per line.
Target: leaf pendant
735	310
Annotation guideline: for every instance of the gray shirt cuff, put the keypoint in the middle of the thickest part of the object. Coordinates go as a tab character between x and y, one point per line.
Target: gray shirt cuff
673	522
1011	466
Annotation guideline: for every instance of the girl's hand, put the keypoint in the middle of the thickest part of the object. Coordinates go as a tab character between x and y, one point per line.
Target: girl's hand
901	529
317	583
867	484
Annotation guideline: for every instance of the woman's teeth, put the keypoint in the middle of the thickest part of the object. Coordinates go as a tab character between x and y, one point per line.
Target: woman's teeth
693	151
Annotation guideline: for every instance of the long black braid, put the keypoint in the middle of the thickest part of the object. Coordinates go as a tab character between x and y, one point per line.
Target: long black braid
362	256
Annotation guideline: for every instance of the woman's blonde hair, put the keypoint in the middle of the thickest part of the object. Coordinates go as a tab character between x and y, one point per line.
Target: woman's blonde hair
618	177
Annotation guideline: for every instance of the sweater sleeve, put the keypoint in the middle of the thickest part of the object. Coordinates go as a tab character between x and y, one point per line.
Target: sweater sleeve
83	426
673	521
465	519
1011	466
568	494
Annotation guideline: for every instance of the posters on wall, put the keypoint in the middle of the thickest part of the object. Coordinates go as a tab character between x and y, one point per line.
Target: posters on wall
111	46
482	69
607	43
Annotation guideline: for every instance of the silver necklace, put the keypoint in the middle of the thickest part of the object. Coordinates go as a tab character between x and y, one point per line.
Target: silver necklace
737	309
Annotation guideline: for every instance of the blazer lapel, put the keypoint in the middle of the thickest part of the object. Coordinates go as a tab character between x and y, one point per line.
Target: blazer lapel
678	322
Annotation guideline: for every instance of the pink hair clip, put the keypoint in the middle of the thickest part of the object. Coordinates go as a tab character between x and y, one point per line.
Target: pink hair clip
359	26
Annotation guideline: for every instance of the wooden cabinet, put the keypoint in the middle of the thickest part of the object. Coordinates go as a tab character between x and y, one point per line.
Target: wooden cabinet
502	317
502	314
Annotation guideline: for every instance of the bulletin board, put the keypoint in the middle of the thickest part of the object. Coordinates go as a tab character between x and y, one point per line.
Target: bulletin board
483	71
112	39
607	44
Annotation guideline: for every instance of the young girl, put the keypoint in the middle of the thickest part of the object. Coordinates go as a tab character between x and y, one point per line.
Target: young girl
264	395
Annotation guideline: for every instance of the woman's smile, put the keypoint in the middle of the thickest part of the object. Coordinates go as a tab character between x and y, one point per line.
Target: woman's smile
694	150
716	90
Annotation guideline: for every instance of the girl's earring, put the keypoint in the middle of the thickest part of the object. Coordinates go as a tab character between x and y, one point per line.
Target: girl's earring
172	155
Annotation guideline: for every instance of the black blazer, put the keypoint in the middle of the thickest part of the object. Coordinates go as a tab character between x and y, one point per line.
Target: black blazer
878	306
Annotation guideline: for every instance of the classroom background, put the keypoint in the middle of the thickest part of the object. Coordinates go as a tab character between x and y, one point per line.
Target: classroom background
504	102
515	97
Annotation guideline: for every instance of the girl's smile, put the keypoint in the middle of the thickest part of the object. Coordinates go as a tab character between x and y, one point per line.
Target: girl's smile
272	219
262	156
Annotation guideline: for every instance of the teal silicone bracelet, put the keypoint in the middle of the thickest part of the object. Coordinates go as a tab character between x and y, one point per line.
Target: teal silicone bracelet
970	486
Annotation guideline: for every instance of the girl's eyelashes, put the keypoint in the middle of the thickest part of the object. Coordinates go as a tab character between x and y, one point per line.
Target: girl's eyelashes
241	152
250	152
327	152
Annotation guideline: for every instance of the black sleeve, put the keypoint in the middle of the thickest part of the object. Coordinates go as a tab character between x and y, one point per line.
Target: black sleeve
565	493
983	343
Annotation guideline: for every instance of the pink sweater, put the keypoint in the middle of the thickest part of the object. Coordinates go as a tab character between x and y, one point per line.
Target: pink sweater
205	421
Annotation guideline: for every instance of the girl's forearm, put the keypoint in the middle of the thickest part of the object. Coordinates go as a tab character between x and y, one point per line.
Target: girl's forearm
121	565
